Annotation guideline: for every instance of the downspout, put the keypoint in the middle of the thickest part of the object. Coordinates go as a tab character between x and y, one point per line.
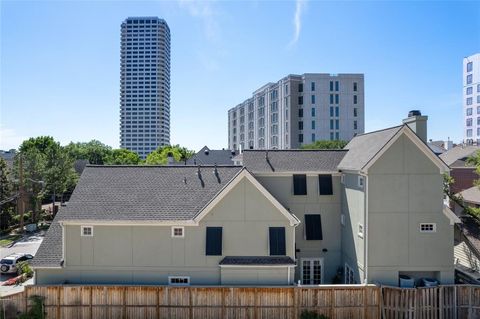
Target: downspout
294	253
365	231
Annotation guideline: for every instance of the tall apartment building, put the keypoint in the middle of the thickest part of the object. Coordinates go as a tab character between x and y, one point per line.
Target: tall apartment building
471	99
145	85
298	110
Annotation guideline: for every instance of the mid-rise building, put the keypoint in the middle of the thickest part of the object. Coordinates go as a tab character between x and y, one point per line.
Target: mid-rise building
145	85
298	110
471	99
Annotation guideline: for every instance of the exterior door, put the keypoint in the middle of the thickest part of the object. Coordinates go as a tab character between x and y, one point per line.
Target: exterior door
312	271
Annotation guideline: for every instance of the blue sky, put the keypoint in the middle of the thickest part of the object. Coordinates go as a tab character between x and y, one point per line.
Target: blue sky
60	61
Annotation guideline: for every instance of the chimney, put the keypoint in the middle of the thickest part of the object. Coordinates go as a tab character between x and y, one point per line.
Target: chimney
418	123
170	159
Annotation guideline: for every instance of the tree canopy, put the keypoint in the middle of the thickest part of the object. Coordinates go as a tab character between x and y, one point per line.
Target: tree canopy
160	155
326	145
122	157
94	151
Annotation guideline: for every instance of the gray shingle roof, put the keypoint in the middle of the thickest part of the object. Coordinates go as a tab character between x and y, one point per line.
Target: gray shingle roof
145	192
257	260
471	195
49	254
292	160
456	157
207	156
362	148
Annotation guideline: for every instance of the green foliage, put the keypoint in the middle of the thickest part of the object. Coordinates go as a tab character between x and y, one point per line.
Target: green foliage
326	145
23	268
37	310
122	157
7	210
447	181
160	155
94	151
306	314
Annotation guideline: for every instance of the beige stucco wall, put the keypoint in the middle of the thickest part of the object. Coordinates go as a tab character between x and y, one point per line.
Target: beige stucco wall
148	254
328	206
404	190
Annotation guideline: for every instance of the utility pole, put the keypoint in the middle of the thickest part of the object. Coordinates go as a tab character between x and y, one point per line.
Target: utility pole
21	192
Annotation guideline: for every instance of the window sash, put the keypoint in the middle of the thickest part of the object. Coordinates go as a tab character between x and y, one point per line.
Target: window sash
313	227
300	184
325	184
214	241
277	241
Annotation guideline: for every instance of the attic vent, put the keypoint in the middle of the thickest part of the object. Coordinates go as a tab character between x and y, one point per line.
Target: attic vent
206	152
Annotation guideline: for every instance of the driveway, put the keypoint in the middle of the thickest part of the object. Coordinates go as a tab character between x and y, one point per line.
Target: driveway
28	244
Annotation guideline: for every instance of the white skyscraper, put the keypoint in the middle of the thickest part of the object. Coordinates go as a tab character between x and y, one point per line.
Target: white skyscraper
145	85
298	110
471	99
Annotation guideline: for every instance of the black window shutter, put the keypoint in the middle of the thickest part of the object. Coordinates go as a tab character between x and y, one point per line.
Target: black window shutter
325	183
299	184
277	241
214	241
313	227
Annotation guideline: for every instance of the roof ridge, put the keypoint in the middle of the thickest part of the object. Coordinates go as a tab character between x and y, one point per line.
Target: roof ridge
161	166
377	131
299	150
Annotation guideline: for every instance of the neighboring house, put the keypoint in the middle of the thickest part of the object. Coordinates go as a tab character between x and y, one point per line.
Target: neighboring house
174	225
438	147
368	213
207	156
9	157
464	174
467	250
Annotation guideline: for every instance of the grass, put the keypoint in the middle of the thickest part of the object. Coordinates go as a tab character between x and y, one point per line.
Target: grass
7	240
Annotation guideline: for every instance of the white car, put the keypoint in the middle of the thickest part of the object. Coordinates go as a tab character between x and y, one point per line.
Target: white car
9	263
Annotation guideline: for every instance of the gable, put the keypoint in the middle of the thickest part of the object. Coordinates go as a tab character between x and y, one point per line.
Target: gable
245	199
405	153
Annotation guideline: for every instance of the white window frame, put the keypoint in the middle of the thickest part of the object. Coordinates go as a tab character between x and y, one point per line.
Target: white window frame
178	227
434	228
361	230
82	231
348	273
311	260
179	277
361	181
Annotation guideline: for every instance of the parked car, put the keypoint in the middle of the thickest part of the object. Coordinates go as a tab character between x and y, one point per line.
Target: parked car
9	263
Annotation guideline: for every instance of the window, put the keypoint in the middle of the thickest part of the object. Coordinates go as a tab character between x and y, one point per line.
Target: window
469	90
355	112
299	184
178	232
331	124
313	227
277	241
325	184
428	228
355	99
360	230
300	138
355	125
331	98
469	66
87	231
179	280
478	87
478	98
469	122
300	112
300	100
313	111
469	79
337	124
313	125
313	137
331	85
313	99
337	111
336	85
355	87
337	99
469	111
469	133
360	181
300	87
469	101
349	275
214	241
313	86
300	125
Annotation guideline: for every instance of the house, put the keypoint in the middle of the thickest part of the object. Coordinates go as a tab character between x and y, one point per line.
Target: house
467	250
207	156
371	212
169	225
463	173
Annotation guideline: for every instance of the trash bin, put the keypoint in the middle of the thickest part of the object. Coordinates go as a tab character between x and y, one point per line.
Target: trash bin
429	282
406	281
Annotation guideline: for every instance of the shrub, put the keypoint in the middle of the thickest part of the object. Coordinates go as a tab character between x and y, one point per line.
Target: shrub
23	268
311	315
37	309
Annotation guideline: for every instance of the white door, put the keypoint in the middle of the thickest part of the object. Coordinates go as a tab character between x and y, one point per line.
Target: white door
312	271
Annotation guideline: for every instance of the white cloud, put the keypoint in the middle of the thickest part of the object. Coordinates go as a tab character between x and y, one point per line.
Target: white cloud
205	11
300	6
9	139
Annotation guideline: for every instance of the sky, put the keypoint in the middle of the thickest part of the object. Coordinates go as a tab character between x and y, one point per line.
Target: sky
60	61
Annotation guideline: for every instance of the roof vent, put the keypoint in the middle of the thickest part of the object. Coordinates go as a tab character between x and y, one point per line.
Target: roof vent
206	152
233	152
414	113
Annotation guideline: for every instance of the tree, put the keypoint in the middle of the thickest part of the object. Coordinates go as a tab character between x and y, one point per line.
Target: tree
6	193
94	151
160	155
326	145
122	157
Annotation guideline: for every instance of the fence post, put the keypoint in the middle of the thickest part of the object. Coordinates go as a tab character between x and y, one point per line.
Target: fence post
124	303
26	299
190	303
222	315
255	307
295	302
91	302
455	302
58	302
469	302
441	302
158	302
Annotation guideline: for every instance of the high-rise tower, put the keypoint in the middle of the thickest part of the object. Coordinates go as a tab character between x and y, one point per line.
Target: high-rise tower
145	85
471	99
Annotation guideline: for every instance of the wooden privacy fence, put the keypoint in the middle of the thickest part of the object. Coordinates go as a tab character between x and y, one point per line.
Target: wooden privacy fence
91	302
335	302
